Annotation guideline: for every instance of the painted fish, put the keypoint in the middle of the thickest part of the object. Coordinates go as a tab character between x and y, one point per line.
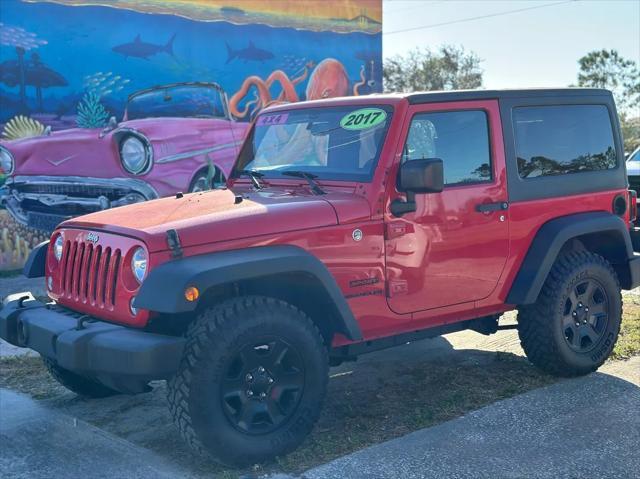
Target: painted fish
250	53
140	49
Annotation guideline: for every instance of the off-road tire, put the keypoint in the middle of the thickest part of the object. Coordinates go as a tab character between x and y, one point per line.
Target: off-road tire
78	384
195	392
542	330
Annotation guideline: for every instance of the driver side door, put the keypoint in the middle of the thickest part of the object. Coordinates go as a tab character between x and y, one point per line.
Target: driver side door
453	248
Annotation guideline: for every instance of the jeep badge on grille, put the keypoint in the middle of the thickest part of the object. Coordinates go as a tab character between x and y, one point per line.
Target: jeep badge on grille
92	237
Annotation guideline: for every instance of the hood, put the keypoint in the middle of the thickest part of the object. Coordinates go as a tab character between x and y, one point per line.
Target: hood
63	153
218	215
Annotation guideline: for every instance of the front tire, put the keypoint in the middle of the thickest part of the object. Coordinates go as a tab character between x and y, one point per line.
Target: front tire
574	324
78	384
251	382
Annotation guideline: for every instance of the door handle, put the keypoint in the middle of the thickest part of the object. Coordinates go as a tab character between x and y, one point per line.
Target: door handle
489	207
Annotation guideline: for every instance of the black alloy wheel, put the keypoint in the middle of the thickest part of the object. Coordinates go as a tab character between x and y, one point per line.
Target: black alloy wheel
586	315
263	384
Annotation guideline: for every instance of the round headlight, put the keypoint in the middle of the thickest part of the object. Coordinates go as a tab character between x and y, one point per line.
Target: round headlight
139	264
57	248
6	161
134	155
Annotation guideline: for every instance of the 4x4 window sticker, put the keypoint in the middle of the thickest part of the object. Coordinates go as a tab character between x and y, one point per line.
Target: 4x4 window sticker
489	130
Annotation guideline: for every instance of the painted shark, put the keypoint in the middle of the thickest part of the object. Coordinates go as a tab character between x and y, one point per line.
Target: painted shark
250	53
139	49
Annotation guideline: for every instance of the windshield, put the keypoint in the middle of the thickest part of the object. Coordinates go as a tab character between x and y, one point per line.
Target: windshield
332	143
188	101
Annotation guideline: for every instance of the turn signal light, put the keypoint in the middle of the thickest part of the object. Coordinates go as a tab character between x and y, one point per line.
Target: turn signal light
191	293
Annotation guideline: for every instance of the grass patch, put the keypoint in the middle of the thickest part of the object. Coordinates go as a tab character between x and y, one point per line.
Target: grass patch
28	375
628	343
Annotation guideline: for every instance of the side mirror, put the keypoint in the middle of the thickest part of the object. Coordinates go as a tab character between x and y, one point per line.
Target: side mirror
418	176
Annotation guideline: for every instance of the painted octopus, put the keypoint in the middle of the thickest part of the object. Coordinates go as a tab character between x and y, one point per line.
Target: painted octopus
327	80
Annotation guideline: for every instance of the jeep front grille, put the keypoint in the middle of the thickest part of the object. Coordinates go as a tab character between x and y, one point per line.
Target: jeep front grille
90	273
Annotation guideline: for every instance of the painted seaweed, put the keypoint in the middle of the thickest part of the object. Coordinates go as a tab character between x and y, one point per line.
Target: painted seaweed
91	113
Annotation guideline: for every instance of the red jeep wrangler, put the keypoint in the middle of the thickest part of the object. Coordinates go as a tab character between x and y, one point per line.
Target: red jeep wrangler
348	225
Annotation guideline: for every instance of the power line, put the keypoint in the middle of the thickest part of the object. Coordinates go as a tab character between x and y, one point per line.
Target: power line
462	20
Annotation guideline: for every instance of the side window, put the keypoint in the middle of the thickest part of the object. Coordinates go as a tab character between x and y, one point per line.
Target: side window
557	140
459	138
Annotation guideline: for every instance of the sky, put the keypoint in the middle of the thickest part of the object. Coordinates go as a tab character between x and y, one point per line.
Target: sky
534	48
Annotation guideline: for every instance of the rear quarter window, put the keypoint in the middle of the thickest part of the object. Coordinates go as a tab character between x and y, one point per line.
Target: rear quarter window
563	139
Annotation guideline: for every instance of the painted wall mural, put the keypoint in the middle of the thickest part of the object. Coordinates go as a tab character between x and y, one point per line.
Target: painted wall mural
109	102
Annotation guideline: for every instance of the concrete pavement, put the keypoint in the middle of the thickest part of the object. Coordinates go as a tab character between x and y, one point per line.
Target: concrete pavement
38	442
587	427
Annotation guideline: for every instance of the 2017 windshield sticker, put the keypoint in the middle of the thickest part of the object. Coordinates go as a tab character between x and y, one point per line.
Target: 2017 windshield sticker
273	119
363	119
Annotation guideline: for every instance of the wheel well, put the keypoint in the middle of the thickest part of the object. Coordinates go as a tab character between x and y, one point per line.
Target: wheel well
218	176
608	244
302	290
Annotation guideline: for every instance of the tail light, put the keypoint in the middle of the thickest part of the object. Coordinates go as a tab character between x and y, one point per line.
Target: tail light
620	205
633	205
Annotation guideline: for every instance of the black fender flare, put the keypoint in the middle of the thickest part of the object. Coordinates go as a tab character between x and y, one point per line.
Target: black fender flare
35	265
548	242
163	290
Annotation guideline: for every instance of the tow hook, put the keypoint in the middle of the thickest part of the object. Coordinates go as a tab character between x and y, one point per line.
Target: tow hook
81	320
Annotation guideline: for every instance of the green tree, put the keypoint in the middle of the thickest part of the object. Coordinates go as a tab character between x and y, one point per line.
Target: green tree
630	132
607	69
447	68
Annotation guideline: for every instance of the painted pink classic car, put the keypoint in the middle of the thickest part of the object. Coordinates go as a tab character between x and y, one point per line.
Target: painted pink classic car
166	142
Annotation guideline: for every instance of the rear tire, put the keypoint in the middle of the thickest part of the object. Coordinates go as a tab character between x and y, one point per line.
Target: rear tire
251	382
78	384
573	326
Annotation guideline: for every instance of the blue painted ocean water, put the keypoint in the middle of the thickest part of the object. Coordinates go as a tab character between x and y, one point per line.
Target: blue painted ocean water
81	41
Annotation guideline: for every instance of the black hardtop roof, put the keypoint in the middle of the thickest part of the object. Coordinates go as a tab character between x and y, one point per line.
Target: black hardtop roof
461	95
449	96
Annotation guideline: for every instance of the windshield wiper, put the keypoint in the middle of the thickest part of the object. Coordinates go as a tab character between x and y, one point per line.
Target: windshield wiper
315	187
256	178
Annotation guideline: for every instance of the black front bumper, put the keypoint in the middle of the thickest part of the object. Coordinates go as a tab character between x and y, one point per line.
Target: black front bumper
123	358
